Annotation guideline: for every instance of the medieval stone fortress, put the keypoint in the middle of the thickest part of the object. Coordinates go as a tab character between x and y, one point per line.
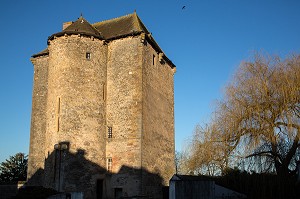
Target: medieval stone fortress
103	111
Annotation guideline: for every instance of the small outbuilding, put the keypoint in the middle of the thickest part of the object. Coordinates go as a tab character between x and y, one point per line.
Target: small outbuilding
195	187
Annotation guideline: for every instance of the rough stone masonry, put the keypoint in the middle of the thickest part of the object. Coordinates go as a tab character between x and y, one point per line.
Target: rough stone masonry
102	111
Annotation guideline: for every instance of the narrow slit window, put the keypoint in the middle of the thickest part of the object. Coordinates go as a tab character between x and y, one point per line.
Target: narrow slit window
104	92
109	132
88	55
153	60
109	164
57	114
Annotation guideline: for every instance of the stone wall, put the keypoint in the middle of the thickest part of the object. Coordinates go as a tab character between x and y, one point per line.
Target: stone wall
76	97
158	119
124	112
76	111
38	121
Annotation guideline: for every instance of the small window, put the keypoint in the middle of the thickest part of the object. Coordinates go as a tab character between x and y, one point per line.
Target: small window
88	56
109	164
109	132
153	60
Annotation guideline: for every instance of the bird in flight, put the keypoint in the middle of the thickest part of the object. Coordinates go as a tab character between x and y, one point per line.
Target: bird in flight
183	7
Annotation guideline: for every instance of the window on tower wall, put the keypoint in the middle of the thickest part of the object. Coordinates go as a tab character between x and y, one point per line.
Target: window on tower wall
57	114
104	91
153	60
109	164
118	193
88	55
109	132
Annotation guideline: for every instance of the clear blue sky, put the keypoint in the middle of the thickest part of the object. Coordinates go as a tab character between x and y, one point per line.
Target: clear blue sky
206	41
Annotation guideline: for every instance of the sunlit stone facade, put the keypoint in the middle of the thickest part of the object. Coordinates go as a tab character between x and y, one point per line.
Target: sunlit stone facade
102	111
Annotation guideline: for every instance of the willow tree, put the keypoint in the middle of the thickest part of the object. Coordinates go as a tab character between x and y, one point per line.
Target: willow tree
208	154
260	113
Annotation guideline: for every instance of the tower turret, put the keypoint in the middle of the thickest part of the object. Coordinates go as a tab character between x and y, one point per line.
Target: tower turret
75	110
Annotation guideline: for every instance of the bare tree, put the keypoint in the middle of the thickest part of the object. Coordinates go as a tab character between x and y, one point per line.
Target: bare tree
260	114
256	126
208	155
180	162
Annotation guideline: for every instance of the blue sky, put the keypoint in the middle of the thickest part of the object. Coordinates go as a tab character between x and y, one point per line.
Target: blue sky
206	41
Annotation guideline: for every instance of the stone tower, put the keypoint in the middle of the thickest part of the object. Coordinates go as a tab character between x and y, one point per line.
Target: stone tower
102	111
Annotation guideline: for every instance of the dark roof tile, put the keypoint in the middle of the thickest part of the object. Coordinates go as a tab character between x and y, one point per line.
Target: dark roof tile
121	26
81	26
109	30
43	52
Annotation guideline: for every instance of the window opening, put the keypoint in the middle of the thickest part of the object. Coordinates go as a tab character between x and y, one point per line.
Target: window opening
118	193
109	132
109	164
57	114
104	92
99	189
153	60
88	56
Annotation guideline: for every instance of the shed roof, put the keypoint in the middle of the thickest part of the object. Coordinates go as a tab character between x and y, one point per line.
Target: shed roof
177	177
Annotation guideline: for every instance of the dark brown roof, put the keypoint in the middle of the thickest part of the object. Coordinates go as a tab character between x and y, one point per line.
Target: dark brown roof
44	52
121	26
109	30
81	26
125	26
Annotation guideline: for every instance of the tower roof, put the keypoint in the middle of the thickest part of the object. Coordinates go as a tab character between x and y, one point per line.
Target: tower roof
121	26
125	26
43	52
128	25
80	26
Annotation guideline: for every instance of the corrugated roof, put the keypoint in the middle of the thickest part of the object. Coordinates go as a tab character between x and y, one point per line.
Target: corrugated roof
81	26
121	26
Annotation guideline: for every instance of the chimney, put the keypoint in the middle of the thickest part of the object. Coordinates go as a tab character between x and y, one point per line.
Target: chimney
67	24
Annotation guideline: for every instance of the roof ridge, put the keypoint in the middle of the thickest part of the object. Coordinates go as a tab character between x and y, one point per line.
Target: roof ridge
141	25
83	20
121	17
136	20
93	27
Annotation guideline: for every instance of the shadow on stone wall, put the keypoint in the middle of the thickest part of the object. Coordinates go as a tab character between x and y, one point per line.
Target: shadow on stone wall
71	172
8	191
